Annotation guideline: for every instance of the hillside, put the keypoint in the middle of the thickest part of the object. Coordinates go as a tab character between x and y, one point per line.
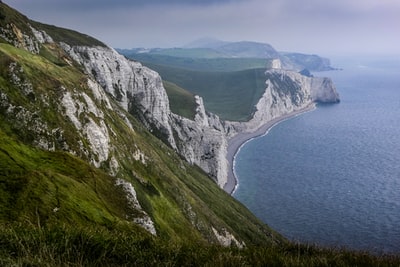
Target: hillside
230	95
90	173
71	155
228	76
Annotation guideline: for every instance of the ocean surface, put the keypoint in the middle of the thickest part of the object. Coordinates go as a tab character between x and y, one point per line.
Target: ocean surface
332	176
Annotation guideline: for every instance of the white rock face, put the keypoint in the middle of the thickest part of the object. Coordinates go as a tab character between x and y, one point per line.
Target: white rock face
276	64
226	239
323	90
144	220
286	92
41	36
202	141
137	89
11	33
99	94
99	140
96	134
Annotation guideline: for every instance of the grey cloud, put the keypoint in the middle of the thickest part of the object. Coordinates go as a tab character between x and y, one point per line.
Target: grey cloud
312	26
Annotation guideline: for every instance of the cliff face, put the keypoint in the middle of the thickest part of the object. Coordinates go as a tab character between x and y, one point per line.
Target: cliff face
202	141
72	153
286	92
139	91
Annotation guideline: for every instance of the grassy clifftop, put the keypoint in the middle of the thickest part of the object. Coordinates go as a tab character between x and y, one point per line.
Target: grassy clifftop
10	17
184	203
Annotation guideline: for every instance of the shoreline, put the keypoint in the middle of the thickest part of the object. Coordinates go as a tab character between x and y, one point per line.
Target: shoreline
236	142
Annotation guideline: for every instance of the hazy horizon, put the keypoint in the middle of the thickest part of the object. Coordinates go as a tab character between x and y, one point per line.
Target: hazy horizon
309	26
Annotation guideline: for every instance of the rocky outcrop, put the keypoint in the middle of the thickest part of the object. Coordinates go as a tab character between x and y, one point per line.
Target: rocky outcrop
286	92
14	35
323	90
139	90
203	142
142	218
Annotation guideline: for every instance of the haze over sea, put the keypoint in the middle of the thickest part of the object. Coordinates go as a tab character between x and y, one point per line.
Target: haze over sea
332	176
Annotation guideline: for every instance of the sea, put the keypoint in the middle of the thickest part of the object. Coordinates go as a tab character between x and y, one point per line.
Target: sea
331	176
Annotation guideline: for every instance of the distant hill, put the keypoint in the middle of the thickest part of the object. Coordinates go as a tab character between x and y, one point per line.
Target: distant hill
204	53
205	43
228	75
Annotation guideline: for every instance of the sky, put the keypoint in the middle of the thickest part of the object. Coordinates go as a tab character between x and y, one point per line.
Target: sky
324	27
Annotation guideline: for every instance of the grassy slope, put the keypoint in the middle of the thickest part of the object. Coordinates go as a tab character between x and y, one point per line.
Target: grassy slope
170	195
160	184
181	101
198	63
9	15
190	53
231	95
90	226
230	87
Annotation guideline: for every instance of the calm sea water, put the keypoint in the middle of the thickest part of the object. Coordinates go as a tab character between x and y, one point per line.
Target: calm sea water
332	176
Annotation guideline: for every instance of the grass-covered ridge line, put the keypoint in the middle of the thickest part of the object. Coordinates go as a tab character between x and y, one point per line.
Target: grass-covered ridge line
70	37
9	16
182	201
198	63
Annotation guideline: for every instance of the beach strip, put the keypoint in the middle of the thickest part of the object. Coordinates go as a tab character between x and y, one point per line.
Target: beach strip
236	142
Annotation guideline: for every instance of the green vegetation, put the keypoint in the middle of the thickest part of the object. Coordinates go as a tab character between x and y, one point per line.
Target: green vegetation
18	22
49	187
70	37
22	245
230	95
9	16
190	52
57	209
181	101
47	180
230	87
199	63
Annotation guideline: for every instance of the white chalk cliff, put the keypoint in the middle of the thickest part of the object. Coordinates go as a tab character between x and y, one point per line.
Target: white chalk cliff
139	90
202	141
91	118
286	92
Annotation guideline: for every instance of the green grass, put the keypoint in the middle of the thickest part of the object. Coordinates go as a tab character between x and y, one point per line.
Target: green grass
56	209
70	37
200	63
190	53
34	182
10	16
22	245
230	95
181	101
230	87
169	194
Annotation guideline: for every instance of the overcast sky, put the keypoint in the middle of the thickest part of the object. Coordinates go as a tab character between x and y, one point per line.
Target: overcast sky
326	27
